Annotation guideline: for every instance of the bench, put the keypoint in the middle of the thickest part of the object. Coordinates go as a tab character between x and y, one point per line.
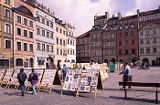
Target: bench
140	84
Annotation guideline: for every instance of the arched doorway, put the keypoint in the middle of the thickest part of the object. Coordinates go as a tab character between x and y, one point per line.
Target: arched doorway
145	60
106	61
134	60
50	63
19	62
113	60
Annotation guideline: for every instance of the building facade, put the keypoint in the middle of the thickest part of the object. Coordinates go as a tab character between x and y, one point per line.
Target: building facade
83	48
149	37
24	22
6	34
127	39
44	37
61	42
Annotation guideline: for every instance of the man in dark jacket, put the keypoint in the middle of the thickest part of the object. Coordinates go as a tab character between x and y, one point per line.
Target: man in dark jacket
33	78
22	76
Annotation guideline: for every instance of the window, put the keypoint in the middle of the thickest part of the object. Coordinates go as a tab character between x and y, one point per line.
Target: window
7	13
120	35
47	23
132	33
52	49
19	46
60	41
38	46
63	42
64	32
51	24
126	42
148	50
57	40
43	47
147	41
43	32
7	28
57	29
61	52
120	52
31	34
38	31
38	18
47	34
133	51
141	33
18	19
57	51
30	23
141	41
154	50
154	40
7	44
18	31
126	34
19	62
126	52
25	47
25	21
48	48
51	35
7	2
132	42
43	21
142	50
60	31
120	43
147	32
31	47
25	33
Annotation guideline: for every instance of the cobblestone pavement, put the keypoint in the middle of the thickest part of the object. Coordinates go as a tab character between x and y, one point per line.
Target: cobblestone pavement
110	95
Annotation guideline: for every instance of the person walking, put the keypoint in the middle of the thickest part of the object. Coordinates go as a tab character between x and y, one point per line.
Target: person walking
22	76
33	79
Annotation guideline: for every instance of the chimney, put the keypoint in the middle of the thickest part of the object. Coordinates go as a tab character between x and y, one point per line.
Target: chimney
138	12
107	15
119	16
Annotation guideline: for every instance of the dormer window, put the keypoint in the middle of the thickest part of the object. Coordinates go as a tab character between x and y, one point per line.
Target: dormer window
7	2
132	25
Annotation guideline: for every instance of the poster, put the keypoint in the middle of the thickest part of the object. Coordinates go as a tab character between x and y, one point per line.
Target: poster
103	72
72	80
48	77
89	80
8	75
2	71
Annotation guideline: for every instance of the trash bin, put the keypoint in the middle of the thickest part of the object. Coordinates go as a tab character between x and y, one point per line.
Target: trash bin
112	68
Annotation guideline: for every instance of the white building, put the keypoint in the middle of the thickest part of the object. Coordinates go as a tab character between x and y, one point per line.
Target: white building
65	47
44	38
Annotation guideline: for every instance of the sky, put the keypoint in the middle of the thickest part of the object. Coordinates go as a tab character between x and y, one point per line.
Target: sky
80	13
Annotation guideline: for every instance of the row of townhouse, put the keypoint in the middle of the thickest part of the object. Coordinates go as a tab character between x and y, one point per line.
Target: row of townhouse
116	39
31	35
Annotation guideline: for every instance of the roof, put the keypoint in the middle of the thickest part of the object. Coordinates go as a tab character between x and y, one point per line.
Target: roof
149	12
86	34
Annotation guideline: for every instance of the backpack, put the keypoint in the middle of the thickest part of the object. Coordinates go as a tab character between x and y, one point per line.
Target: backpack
22	77
35	76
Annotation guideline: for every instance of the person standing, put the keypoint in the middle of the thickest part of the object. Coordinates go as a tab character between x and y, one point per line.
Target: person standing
33	79
65	69
126	72
22	76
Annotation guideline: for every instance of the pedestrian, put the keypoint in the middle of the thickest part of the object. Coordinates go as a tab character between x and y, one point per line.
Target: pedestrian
33	79
126	73
64	70
22	76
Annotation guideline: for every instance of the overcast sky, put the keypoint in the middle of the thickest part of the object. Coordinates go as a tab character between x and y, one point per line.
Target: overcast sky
80	13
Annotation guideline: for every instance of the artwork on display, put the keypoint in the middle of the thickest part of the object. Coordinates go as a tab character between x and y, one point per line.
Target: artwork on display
8	75
103	72
72	80
14	79
2	71
40	74
48	77
89	80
